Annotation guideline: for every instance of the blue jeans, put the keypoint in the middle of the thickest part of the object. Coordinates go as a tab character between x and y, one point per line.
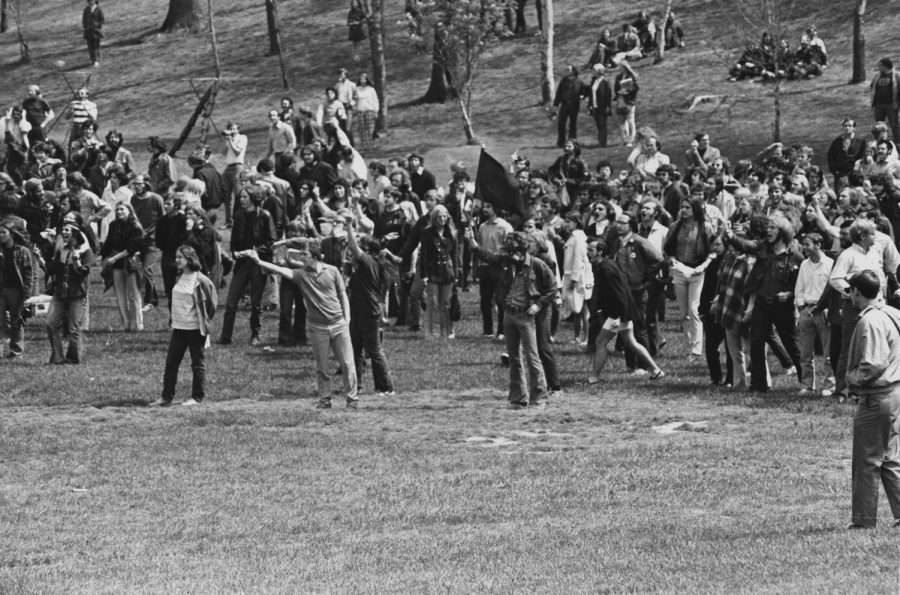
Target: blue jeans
181	341
521	342
335	338
13	301
365	336
246	272
70	311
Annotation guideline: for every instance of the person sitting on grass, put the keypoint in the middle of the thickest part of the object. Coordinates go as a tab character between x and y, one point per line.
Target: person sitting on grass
194	302
612	301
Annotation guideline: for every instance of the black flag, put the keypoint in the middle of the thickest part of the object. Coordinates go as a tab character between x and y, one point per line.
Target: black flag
495	185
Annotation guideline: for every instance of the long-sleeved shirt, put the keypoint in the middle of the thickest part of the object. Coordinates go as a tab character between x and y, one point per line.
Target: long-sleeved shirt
281	139
872	366
812	278
855	259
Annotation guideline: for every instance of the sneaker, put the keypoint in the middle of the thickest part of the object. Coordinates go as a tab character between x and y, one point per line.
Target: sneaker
792	371
190	402
504	359
451	336
160	403
500	337
323	405
386	393
638	372
254	341
488	335
147	308
538	405
827	392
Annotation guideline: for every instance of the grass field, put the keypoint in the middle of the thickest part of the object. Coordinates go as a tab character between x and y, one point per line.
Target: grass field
440	488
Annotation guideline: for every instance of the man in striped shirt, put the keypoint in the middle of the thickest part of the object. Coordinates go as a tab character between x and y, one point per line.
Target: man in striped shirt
80	110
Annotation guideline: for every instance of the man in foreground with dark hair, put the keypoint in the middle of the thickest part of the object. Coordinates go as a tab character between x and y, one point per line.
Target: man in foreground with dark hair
873	375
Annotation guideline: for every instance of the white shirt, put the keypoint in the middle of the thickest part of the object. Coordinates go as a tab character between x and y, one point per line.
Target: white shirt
812	280
235	149
853	260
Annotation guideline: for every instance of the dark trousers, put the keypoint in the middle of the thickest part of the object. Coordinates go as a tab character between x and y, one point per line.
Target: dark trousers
567	114
545	347
487	286
180	342
12	302
246	272
765	316
601	118
93	47
714	335
292	314
656	301
520	17
365	337
640	327
170	277
834	347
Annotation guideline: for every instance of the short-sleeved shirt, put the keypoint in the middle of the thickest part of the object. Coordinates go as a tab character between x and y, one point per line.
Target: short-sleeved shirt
322	290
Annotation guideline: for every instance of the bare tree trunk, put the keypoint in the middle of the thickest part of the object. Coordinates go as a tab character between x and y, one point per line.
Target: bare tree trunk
214	42
859	43
375	21
661	35
547	81
182	14
272	22
439	89
776	126
471	139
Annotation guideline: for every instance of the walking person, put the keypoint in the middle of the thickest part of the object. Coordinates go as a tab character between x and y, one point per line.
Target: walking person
328	317
16	282
873	375
92	22
194	302
69	273
566	104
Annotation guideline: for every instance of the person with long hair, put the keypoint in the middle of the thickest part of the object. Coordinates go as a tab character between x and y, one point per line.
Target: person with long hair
194	302
439	269
202	237
578	279
125	240
69	270
687	250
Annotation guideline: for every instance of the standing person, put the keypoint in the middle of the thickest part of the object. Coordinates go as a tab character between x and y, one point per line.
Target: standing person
687	251
613	302
253	231
843	153
346	92
625	93
366	288
16	283
149	209
438	254
69	271
600	102
713	332
367	107
92	22
566	104
578	278
420	179
885	93
525	285
38	113
124	241
15	129
873	374
700	154
213	196
235	154
292	310
655	232
194	302
328	316
171	233
118	154
491	235
80	110
161	170
772	280
812	279
280	137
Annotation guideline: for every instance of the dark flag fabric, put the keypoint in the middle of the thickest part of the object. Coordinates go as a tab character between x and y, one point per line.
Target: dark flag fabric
495	185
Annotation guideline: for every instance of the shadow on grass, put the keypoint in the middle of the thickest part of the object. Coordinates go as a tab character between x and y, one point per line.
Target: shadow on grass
121	402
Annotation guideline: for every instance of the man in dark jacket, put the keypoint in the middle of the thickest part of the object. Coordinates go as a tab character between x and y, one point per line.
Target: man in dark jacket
16	282
566	104
214	196
600	102
253	232
843	153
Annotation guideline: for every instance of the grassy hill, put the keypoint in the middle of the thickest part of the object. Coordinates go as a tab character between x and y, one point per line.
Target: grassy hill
143	86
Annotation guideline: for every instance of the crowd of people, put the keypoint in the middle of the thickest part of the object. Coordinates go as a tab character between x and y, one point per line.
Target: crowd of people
771	59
